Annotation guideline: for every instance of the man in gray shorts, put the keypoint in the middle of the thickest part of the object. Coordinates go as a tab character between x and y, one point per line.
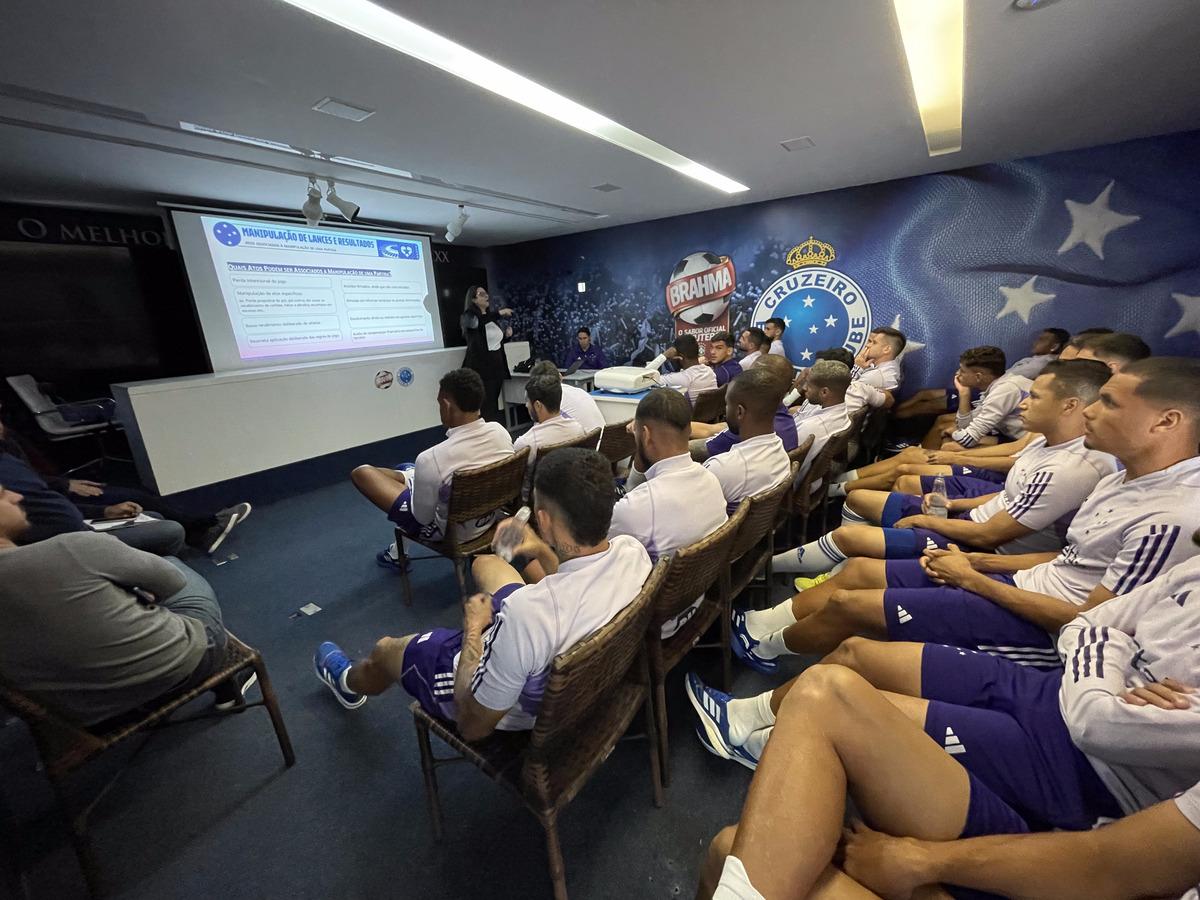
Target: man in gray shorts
94	629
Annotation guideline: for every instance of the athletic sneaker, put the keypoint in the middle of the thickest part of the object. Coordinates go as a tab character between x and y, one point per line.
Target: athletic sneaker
233	692
744	645
330	664
227	519
385	560
713	730
803	584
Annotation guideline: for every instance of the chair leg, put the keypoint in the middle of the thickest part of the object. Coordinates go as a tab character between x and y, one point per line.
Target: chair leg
76	824
271	702
558	871
460	570
405	564
430	775
660	712
727	648
655	762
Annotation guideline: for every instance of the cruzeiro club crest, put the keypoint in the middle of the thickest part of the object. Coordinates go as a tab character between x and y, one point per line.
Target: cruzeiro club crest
821	307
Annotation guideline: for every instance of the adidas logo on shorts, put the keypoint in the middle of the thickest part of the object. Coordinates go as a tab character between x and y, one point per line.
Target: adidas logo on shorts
931	544
952	744
902	615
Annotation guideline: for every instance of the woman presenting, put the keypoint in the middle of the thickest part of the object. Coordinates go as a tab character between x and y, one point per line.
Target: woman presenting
484	328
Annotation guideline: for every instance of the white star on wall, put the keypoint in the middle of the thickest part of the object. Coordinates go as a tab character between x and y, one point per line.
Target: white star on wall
1189	320
830	321
812	329
787	323
806	354
910	346
1092	222
808	302
1022	300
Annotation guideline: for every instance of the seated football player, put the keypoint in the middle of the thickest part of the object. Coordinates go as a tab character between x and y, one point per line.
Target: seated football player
757	462
491	673
1030	513
415	495
1132	528
940	745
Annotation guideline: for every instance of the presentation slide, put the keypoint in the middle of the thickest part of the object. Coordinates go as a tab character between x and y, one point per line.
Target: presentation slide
271	292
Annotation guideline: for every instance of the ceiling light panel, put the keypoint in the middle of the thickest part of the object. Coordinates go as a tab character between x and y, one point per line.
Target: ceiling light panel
343	110
375	23
932	31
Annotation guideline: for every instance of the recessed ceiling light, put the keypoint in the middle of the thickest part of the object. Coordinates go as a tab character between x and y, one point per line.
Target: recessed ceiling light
1031	4
606	188
932	31
800	143
375	23
342	109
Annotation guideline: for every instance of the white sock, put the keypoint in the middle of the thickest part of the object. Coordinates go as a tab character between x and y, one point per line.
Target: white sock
392	552
757	742
837	489
788	561
820	555
772	646
343	684
850	517
748	716
735	883
848	475
762	622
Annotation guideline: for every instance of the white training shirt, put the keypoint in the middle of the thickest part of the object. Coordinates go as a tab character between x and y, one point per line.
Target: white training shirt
822	424
679	503
579	405
1031	366
555	430
1044	489
693	381
1125	534
467	446
1143	754
749	359
750	467
539	621
777	349
885	376
995	413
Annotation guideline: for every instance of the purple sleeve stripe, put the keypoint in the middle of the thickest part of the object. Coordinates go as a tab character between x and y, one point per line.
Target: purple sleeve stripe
1031	495
1153	553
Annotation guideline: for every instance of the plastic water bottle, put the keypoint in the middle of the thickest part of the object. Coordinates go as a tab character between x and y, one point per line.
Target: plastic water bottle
937	502
509	537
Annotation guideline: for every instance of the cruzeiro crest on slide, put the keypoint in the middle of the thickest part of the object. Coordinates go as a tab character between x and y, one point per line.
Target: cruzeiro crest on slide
821	307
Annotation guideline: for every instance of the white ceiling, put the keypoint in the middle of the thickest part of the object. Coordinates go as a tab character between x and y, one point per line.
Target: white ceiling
720	83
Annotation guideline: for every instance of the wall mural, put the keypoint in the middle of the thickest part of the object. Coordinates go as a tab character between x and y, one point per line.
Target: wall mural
987	255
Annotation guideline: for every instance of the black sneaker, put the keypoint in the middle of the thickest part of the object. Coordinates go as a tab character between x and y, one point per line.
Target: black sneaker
226	520
232	693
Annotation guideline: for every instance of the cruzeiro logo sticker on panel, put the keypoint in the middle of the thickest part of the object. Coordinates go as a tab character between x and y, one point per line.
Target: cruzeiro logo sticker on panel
821	307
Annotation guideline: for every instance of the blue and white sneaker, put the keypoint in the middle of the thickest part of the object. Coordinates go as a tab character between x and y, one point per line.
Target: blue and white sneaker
744	646
385	560
330	663
713	730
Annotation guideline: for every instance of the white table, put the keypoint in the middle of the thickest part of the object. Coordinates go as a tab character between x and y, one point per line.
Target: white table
617	407
513	392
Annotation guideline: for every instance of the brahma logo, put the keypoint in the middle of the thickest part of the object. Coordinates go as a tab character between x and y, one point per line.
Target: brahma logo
698	294
821	307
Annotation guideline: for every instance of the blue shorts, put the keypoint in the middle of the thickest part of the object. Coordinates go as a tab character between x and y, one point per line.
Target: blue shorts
952	397
962	486
1001	721
909	543
979	474
401	514
920	610
430	660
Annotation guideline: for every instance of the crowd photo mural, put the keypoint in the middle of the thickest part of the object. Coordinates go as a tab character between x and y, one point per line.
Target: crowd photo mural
1107	236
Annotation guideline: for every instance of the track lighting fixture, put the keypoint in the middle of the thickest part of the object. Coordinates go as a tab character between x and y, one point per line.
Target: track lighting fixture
311	210
345	207
455	227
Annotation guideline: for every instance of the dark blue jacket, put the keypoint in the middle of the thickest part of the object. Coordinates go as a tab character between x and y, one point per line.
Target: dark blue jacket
592	358
48	511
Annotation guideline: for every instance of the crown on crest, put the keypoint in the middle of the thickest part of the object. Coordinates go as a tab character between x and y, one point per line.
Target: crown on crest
811	253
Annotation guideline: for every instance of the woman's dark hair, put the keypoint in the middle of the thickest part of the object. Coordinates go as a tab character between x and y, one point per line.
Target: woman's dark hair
469	302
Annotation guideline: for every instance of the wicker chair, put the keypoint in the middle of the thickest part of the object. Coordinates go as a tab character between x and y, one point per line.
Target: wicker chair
64	747
701	568
593	694
809	495
474	493
754	545
616	443
710	406
840	459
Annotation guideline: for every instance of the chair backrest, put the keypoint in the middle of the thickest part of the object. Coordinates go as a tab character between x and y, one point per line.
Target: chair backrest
475	493
695	568
806	498
593	692
62	745
27	390
616	443
587	441
710	405
800	454
762	510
